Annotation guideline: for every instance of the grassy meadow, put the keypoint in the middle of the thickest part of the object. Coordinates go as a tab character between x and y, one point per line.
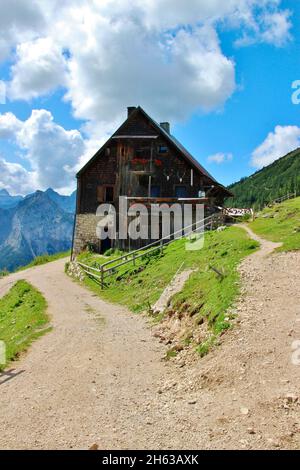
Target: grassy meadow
280	223
23	319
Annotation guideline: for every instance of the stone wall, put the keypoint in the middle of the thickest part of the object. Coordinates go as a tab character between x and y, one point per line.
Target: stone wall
85	233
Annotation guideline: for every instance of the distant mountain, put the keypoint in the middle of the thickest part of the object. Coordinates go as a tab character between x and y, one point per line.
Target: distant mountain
272	182
41	223
66	203
7	201
5	224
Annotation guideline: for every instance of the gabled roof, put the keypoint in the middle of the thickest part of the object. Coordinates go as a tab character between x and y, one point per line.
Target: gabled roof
170	138
179	146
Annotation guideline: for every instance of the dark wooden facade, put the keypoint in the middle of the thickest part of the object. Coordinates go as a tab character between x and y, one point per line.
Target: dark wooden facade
143	160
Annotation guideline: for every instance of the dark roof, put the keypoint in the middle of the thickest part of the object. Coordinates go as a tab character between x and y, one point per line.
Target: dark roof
171	139
179	146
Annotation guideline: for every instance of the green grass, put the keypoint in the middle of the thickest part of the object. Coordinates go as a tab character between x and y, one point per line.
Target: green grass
280	223
95	260
205	296
43	259
23	319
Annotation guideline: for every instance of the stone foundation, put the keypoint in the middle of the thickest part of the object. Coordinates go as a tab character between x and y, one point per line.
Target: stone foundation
85	236
75	271
85	233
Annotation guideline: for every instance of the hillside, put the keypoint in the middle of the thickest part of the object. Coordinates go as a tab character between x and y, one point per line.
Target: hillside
41	223
280	223
199	310
273	181
244	393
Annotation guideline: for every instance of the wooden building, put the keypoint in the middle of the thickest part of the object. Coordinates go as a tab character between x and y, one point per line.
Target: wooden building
144	162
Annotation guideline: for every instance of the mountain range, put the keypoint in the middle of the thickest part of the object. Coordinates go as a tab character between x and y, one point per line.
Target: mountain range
37	224
7	201
266	185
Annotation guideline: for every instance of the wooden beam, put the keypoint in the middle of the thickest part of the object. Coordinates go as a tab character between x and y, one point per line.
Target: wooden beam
135	137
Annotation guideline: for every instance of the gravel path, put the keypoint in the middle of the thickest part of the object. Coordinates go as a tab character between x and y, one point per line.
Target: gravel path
99	377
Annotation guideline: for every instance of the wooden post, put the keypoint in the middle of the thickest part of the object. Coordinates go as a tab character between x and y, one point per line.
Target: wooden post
161	247
133	259
217	271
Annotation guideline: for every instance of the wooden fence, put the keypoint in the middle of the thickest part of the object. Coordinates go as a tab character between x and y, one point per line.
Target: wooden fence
110	267
284	198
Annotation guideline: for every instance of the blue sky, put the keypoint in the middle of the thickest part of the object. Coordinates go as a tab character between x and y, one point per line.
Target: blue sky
222	80
265	75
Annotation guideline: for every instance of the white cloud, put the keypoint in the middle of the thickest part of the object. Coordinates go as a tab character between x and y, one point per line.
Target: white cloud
52	152
220	158
283	140
236	13
15	178
2	92
271	27
9	126
39	69
133	56
161	54
276	28
169	76
19	21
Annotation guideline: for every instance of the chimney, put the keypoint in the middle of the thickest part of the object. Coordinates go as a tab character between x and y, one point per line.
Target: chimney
166	126
130	110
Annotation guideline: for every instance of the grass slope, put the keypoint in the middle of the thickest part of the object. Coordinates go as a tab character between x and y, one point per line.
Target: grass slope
44	259
280	223
204	296
23	319
95	260
272	182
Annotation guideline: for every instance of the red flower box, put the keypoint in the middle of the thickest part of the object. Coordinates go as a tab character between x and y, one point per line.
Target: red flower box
139	161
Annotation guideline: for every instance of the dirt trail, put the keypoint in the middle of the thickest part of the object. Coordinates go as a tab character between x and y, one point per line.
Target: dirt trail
99	377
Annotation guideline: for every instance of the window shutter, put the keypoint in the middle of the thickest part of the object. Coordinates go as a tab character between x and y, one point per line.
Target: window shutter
100	193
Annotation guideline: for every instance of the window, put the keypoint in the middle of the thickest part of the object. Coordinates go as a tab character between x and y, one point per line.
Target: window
201	193
180	191
144	181
109	194
105	193
163	149
155	191
143	152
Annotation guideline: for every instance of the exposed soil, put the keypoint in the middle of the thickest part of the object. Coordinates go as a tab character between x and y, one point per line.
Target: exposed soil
100	376
176	285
